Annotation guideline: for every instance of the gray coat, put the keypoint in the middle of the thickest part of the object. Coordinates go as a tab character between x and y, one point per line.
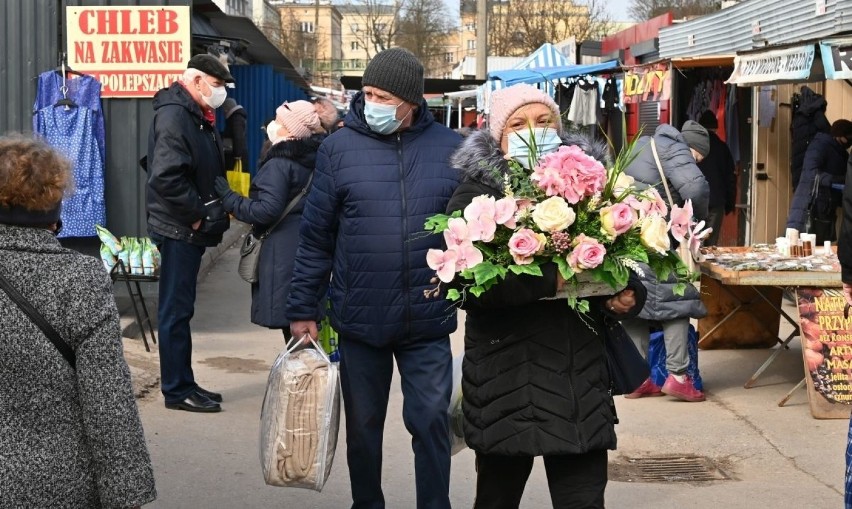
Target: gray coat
682	173
685	182
66	439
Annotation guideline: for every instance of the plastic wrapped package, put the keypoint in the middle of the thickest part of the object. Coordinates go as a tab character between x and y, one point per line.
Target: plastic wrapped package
136	257
455	415
124	254
108	257
300	418
149	267
108	239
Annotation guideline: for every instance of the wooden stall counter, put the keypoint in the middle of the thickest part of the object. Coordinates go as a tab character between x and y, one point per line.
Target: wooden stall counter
742	289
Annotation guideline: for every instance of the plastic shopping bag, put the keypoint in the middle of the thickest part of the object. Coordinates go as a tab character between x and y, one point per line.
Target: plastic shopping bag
657	359
300	418
239	180
136	267
108	239
107	257
455	415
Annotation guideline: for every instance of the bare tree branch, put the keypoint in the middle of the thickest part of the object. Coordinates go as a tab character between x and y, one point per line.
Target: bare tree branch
646	9
423	30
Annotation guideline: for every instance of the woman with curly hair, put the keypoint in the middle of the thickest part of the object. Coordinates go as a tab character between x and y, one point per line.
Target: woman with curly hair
70	433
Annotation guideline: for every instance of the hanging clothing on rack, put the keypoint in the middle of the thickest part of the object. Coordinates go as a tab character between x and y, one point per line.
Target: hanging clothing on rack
566	95
584	107
732	126
78	132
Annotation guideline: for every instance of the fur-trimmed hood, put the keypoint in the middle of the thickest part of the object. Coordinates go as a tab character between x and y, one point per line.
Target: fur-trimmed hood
479	156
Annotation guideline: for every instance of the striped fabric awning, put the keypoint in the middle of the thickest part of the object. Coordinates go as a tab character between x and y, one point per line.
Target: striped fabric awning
545	56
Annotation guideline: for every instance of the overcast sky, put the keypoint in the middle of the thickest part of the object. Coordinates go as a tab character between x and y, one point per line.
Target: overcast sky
618	9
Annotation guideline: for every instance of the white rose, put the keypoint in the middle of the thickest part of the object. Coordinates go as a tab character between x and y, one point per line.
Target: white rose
553	215
623	182
655	234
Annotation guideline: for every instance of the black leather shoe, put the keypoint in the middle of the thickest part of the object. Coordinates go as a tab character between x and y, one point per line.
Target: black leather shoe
195	402
214	396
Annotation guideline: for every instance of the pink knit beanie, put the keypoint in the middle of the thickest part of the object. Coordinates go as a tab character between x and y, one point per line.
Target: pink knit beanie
506	101
299	118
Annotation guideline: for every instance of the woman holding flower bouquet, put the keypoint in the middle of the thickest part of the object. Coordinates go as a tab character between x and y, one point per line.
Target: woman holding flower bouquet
535	379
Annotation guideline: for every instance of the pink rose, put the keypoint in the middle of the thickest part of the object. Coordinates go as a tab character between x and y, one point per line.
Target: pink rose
681	220
525	244
617	219
442	262
505	212
588	253
467	256
457	232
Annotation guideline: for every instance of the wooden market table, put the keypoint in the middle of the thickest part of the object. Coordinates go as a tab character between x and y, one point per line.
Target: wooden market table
744	307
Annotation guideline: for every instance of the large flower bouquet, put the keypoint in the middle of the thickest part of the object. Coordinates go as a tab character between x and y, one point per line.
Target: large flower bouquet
570	210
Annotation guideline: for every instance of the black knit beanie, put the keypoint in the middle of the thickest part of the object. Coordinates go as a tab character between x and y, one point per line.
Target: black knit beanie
396	70
841	128
696	137
708	120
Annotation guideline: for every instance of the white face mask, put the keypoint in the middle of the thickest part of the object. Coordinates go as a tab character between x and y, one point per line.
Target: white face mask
272	131
217	95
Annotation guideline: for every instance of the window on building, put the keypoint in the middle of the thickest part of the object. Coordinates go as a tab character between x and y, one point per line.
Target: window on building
471	44
307	27
354	46
470	27
355	28
381	27
449	58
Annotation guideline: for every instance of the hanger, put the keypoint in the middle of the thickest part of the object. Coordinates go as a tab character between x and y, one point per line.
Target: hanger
65	101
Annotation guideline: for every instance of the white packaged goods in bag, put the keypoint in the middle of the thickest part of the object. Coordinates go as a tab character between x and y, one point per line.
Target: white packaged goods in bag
300	419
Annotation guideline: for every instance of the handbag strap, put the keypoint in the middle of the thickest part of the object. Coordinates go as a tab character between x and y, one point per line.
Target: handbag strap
40	321
660	169
289	207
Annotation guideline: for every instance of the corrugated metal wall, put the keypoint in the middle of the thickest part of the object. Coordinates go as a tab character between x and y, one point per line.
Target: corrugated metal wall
260	90
730	30
30	46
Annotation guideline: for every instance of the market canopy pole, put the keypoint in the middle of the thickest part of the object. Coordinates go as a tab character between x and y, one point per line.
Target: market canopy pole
481	39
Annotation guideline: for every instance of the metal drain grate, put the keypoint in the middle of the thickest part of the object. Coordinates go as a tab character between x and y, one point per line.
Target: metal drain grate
665	469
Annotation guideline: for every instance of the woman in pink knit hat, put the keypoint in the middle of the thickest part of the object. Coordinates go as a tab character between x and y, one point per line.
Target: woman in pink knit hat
285	171
535	376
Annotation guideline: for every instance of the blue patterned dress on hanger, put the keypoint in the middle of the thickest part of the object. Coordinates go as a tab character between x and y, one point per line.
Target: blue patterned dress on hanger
78	133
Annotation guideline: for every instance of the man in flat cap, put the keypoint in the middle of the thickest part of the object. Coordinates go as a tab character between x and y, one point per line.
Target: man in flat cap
377	179
184	214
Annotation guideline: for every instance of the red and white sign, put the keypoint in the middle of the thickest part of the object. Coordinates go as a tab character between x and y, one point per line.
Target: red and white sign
132	51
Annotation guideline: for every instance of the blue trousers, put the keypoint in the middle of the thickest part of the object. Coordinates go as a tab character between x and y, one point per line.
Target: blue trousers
178	277
425	367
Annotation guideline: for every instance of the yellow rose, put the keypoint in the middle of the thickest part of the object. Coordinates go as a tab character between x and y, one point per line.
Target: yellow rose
623	182
655	234
553	215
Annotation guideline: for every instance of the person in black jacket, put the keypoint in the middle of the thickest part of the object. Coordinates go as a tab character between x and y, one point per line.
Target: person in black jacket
376	182
535	379
234	135
295	135
825	164
808	120
718	168
185	215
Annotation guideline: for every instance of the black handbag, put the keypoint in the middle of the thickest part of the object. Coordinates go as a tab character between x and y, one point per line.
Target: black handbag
627	368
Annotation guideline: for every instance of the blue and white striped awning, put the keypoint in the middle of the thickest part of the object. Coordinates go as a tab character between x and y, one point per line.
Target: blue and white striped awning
546	56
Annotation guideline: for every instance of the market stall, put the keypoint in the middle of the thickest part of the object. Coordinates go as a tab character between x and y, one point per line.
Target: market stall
742	288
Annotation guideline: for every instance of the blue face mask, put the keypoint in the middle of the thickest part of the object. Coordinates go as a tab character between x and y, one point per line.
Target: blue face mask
547	140
381	117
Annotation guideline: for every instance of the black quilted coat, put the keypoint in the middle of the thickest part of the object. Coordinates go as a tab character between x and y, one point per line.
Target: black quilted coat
808	120
535	380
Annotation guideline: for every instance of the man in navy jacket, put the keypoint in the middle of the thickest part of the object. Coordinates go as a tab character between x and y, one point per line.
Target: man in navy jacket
376	182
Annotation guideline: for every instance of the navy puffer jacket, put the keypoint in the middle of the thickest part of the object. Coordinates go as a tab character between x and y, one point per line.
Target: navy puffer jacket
827	159
283	174
363	222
